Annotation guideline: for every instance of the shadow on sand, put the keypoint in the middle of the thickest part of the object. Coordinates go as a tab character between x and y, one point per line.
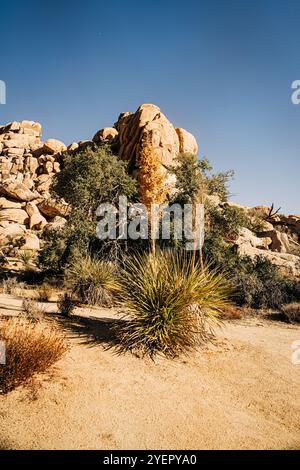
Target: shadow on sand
94	331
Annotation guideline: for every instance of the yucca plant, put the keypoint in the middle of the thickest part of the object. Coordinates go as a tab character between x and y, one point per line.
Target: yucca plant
171	303
93	281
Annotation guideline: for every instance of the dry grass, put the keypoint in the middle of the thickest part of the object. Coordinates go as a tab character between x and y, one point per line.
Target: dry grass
231	312
32	310
11	286
30	348
292	312
45	292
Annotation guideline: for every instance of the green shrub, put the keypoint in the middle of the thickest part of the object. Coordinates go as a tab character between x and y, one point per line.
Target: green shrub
170	303
93	281
88	178
226	222
256	283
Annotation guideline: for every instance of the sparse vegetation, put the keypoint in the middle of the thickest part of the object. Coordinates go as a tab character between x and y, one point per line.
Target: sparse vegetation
257	283
32	310
45	292
170	303
26	257
66	304
292	312
93	281
30	348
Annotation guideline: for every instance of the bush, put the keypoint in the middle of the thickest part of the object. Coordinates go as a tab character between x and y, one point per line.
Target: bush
88	178
32	310
256	283
66	305
93	281
30	348
292	312
226	222
45	292
170	303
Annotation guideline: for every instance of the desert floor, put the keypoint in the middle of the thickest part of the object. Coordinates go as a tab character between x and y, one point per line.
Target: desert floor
242	393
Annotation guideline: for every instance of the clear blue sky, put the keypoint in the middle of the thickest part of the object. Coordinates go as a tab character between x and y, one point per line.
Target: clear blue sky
221	69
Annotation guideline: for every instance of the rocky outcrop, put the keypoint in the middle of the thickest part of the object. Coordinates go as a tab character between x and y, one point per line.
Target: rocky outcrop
27	167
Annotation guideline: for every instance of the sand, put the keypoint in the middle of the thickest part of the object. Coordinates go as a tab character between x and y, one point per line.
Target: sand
243	393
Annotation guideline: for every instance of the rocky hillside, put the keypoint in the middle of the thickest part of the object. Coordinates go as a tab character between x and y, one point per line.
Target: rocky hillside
28	165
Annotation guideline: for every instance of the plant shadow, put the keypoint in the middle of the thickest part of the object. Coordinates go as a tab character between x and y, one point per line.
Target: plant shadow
94	331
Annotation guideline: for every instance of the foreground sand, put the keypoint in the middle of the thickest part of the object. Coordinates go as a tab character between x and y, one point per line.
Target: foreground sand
243	393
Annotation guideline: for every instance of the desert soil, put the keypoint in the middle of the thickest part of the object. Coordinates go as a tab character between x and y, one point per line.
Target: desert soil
242	393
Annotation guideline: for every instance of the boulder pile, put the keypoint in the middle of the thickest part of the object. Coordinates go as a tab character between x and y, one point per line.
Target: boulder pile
28	165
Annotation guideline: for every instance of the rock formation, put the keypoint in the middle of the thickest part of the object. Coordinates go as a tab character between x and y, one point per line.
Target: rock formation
28	165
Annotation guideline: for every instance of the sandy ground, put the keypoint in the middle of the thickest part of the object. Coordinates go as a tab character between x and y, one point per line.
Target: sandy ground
243	393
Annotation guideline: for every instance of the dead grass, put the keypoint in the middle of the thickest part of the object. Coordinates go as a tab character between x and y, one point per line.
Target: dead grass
30	348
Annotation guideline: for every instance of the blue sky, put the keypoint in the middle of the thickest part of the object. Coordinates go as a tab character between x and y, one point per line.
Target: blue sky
221	69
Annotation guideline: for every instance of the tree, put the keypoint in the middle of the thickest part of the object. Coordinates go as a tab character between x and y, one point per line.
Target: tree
191	187
88	178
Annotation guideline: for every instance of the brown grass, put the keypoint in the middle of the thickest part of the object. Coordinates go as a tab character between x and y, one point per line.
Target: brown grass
32	310
231	312
30	348
45	292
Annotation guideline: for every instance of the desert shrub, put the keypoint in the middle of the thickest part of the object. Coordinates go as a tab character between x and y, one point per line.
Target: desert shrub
30	348
93	281
257	283
216	183
45	292
11	285
32	310
26	256
292	312
88	178
66	305
231	312
226	222
194	176
170	303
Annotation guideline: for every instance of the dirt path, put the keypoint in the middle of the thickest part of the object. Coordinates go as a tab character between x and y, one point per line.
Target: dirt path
244	393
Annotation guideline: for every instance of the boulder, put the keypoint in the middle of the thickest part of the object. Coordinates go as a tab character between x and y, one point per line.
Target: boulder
52	207
29	241
246	237
53	146
107	134
10	230
17	190
187	142
287	263
18	216
36	220
56	224
7	204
